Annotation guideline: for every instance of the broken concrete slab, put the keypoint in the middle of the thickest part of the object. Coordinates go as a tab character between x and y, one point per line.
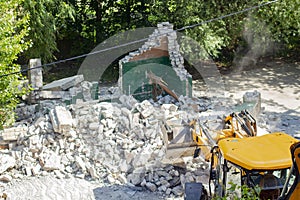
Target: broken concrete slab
151	186
64	84
61	119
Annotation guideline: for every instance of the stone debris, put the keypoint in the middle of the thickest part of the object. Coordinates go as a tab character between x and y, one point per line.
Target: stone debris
255	99
7	162
117	143
67	91
12	133
61	119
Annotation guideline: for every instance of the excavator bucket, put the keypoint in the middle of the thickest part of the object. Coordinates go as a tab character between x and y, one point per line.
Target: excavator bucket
178	141
194	191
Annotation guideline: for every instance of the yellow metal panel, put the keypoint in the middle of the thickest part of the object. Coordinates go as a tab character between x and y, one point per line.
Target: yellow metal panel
296	192
267	152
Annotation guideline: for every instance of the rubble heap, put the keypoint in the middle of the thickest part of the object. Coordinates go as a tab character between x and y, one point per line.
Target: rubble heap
117	143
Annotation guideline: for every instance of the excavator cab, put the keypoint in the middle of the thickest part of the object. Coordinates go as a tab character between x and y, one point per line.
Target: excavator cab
262	161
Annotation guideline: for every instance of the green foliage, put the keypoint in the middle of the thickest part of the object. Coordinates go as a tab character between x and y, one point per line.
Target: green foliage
267	26
48	21
243	192
96	21
211	36
283	21
89	22
13	29
76	27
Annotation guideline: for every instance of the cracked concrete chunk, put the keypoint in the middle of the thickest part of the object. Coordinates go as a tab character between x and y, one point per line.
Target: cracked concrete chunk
61	119
52	162
80	163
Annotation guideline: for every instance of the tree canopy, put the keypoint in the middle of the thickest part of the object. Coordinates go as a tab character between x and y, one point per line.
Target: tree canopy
61	29
13	30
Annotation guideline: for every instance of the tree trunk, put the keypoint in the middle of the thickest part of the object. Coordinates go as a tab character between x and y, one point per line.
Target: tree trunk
99	26
128	14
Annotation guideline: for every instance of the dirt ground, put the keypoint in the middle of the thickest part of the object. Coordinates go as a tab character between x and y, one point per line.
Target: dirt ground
279	85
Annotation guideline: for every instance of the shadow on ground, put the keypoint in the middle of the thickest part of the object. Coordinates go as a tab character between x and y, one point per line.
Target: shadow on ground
119	192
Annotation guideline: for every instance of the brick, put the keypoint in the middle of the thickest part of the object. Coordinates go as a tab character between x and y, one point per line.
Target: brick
11	134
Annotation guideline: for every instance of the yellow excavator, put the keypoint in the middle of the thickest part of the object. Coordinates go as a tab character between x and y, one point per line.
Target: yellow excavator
269	161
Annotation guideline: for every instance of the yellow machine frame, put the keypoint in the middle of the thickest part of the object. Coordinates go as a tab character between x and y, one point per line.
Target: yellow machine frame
239	144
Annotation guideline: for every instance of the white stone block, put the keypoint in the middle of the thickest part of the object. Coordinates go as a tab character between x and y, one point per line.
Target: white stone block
52	94
168	191
61	119
93	172
94	126
129	156
141	159
36	169
162	188
7	162
80	163
122	178
124	167
52	162
28	171
178	190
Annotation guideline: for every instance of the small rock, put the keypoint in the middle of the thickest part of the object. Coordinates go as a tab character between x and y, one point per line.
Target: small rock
178	191
7	162
168	191
152	187
5	178
111	179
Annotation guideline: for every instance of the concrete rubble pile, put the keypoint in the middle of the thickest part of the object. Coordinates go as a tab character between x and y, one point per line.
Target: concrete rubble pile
118	143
